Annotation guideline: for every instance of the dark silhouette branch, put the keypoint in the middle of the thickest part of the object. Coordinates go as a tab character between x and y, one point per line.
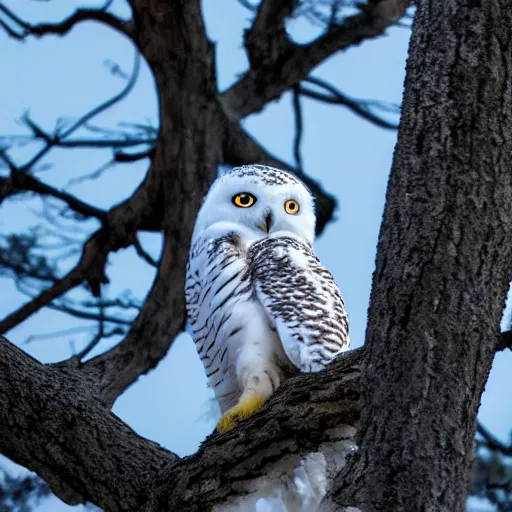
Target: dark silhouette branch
299	127
99	336
257	87
121	157
504	341
87	315
267	39
143	253
10	32
359	107
118	230
68	282
492	442
22	181
247	4
95	143
63	27
58	137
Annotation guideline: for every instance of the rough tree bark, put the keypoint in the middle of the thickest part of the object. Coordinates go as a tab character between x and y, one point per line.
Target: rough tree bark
86	453
443	265
442	273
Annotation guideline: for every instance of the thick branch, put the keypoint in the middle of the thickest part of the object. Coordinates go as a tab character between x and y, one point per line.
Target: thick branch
122	222
305	412
188	91
258	86
52	423
504	341
241	149
160	320
267	39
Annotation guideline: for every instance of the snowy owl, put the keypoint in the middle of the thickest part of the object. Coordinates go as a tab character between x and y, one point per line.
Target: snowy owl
260	304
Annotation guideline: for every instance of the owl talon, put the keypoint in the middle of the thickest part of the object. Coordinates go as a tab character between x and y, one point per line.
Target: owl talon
245	408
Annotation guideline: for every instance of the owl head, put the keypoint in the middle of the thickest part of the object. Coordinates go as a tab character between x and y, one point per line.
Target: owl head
261	198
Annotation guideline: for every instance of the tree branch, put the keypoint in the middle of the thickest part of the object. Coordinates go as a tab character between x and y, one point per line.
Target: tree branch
58	137
337	97
305	412
492	442
119	367
257	87
175	29
84	452
143	253
64	433
122	222
267	39
63	27
504	341
299	127
22	181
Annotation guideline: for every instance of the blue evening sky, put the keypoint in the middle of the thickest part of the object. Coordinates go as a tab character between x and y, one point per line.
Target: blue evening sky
57	77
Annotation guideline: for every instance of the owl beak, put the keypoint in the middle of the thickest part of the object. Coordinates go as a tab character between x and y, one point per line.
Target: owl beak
266	224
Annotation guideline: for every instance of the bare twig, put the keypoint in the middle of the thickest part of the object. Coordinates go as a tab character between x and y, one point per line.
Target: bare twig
22	181
63	27
57	334
90	143
491	441
101	335
10	32
359	107
298	127
89	115
143	253
247	4
86	315
96	339
118	230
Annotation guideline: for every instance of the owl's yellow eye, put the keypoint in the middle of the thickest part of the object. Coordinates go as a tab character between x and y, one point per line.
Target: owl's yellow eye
244	200
291	207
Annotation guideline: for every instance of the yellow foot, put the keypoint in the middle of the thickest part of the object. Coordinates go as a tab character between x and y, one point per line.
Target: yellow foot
245	408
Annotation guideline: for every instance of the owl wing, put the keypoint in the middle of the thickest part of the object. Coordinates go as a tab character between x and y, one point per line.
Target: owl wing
301	299
217	278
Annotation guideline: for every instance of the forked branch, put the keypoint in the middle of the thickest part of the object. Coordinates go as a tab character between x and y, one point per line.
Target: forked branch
86	453
258	87
118	231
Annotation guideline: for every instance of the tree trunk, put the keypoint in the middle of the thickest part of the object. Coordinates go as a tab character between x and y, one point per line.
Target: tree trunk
443	264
